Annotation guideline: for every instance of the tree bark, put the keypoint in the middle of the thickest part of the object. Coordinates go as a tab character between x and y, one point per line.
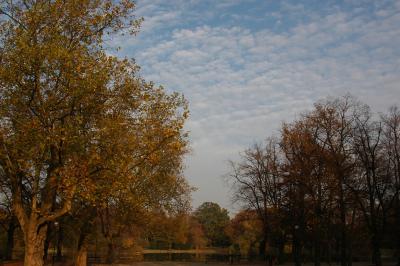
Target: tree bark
81	256
34	245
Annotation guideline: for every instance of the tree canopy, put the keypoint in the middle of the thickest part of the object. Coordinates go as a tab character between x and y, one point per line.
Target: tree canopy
77	123
213	219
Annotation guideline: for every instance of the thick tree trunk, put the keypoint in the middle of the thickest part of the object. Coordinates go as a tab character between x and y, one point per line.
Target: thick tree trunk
34	245
10	238
81	253
81	256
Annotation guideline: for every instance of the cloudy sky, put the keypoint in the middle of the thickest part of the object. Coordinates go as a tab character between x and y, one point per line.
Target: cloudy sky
247	65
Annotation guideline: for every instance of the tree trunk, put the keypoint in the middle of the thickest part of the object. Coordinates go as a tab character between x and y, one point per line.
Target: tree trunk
81	256
397	219
376	251
10	238
349	251
263	245
60	238
81	252
317	252
110	252
343	233
34	245
47	242
317	241
281	250
296	247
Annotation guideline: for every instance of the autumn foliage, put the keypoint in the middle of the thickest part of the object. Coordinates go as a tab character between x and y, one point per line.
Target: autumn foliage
80	131
328	187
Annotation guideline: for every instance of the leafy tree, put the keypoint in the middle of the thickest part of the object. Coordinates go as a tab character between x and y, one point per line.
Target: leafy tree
197	237
75	123
245	231
213	219
308	184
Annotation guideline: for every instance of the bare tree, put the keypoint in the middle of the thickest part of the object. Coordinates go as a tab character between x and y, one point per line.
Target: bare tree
370	184
391	142
257	183
335	121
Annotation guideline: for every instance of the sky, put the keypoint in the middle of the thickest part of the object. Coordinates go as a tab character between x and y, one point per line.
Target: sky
246	66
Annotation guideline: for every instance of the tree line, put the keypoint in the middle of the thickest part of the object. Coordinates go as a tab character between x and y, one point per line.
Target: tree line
327	185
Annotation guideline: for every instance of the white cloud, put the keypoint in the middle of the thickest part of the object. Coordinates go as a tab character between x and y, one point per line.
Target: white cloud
242	83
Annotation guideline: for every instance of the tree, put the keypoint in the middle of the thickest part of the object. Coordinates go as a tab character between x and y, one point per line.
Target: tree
257	182
75	121
330	184
245	231
213	219
308	183
7	220
371	183
335	120
197	237
391	142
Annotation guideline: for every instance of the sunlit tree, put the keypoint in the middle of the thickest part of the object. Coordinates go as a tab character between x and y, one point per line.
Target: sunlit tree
75	121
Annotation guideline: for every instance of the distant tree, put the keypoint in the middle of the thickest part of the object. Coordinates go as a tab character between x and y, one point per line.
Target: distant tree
335	121
371	184
213	219
245	230
308	185
330	185
391	143
197	238
257	182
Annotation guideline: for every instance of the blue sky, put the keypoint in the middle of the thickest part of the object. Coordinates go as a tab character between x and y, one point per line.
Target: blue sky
248	65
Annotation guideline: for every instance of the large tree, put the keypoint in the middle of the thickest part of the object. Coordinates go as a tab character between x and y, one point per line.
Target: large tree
75	121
